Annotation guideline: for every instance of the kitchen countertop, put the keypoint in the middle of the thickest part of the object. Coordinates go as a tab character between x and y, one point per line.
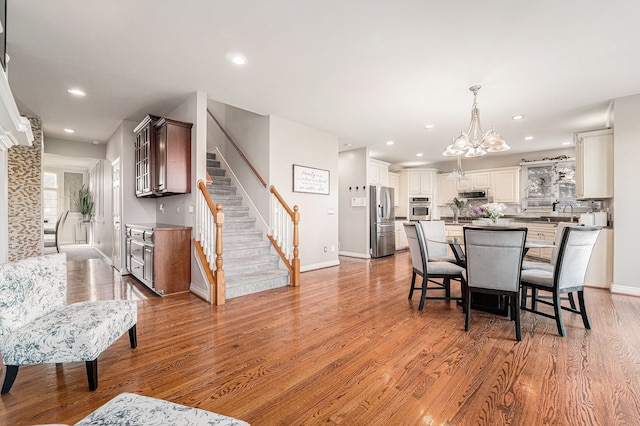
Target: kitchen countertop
520	218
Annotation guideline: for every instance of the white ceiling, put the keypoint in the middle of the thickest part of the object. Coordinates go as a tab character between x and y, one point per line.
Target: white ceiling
366	71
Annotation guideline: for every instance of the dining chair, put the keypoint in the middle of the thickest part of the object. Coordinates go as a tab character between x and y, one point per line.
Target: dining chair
494	263
546	266
56	232
567	275
421	266
435	235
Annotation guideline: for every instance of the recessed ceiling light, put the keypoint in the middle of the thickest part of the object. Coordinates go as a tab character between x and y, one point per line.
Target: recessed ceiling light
95	143
69	130
518	117
428	126
419	154
347	144
77	92
390	142
566	143
237	59
528	138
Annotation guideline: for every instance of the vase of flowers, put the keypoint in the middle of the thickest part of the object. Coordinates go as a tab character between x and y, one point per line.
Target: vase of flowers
456	207
494	211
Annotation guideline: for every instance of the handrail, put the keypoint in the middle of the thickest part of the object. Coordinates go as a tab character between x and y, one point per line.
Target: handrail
210	234
284	235
235	145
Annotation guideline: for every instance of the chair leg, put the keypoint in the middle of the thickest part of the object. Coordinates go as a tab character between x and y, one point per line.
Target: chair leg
133	337
572	302
92	374
413	284
583	310
9	377
516	313
467	314
423	295
558	311
534	299
447	287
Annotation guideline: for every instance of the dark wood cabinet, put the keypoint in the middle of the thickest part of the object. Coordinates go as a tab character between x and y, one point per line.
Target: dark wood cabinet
162	157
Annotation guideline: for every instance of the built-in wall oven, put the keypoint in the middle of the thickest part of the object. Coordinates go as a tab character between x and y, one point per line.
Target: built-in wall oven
139	253
419	208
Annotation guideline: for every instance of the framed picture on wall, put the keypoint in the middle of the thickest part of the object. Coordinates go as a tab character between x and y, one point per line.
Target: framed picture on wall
310	179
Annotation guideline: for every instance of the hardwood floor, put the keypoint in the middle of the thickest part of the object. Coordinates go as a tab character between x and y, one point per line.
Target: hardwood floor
347	347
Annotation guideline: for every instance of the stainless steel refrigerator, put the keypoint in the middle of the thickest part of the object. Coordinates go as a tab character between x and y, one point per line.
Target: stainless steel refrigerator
382	216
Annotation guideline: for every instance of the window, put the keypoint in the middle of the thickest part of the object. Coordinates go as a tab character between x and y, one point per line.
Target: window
50	199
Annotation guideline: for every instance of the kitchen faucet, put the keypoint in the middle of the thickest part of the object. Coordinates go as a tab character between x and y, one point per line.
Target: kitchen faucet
565	208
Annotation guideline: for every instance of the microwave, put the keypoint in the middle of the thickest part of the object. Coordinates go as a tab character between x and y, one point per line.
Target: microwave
473	195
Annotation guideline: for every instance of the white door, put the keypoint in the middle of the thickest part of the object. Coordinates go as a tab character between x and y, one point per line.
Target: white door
116	255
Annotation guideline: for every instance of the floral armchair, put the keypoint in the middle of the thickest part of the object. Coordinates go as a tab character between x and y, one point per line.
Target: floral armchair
37	326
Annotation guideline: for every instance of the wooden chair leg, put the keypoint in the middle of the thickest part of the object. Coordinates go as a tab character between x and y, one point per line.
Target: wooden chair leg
558	312
467	314
523	296
572	302
9	377
516	313
447	287
92	374
423	294
534	298
133	337
583	310
413	284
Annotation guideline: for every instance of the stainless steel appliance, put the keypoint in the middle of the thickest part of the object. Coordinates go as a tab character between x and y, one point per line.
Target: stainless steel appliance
382	216
474	195
419	208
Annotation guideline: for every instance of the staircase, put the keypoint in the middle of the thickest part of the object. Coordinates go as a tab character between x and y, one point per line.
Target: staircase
248	264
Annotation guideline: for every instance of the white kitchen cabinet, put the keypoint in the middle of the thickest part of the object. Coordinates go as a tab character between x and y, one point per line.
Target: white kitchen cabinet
542	232
401	236
403	208
477	181
594	164
378	172
447	189
600	269
394	182
505	185
420	182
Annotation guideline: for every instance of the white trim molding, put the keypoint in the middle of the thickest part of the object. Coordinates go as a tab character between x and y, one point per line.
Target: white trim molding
625	289
14	129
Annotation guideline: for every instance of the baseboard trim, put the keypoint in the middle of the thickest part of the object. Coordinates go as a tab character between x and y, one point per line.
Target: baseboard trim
354	254
201	293
627	290
319	265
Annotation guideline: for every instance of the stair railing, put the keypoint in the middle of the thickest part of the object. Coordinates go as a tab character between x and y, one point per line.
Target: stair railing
208	243
235	145
284	234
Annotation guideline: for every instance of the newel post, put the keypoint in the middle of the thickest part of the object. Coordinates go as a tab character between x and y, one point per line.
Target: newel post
218	274
295	262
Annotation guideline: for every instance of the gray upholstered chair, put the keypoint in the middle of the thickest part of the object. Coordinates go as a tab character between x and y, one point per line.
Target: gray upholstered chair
494	262
567	275
56	232
546	266
37	326
435	235
446	271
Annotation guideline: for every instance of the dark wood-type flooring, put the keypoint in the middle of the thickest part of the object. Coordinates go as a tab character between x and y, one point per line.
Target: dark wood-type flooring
347	347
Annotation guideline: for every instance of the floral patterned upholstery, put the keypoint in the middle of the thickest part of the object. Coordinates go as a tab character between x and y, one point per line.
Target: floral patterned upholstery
133	409
36	324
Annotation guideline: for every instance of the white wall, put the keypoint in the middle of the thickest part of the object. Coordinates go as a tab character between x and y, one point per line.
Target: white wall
74	148
626	201
353	227
293	143
102	221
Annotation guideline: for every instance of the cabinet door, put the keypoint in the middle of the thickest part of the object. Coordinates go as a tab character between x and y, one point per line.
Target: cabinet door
426	180
394	182
161	160
447	190
506	186
414	182
594	165
481	180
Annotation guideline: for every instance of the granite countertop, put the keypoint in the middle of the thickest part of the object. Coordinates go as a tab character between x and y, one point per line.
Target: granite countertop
520	218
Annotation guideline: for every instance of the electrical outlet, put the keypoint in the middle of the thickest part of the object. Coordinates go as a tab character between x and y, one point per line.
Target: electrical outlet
325	249
192	209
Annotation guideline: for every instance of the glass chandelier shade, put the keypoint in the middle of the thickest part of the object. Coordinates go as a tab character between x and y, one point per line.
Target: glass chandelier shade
475	142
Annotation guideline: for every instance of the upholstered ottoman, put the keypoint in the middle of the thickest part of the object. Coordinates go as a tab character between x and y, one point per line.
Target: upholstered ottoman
132	409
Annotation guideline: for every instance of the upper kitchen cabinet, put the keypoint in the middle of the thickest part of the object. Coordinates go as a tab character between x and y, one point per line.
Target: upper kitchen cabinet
420	182
162	157
505	185
378	172
547	183
594	164
447	189
394	182
476	181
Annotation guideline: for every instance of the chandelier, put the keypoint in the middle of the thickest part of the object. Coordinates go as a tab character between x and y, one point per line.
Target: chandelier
475	142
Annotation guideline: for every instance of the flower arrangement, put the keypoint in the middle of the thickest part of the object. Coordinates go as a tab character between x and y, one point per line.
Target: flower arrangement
490	210
459	204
